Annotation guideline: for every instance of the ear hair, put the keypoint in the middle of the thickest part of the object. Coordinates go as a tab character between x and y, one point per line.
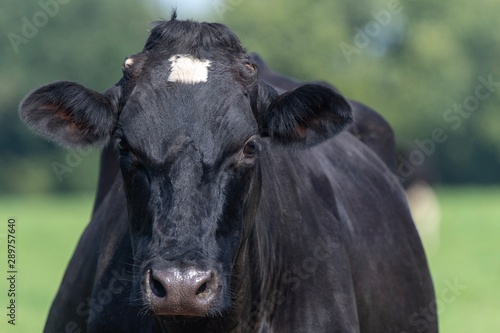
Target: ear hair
261	96
307	115
70	114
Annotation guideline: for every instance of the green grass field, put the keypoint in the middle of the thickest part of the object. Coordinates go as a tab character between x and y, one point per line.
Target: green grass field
468	256
48	228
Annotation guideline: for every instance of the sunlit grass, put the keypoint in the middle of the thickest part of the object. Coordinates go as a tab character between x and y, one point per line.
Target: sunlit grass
468	253
48	228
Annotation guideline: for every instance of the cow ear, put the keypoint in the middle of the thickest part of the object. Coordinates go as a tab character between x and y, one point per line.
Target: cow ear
306	116
70	114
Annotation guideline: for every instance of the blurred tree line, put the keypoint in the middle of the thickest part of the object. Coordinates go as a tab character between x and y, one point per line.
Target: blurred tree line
429	67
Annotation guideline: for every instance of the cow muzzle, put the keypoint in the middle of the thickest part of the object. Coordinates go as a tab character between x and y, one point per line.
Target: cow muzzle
181	292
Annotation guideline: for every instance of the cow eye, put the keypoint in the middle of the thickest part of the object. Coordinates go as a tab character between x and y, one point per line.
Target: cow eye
250	149
123	145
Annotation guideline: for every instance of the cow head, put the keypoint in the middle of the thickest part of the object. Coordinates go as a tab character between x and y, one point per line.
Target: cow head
189	118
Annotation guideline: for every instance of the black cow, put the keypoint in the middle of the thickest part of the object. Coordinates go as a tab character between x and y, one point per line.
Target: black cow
233	210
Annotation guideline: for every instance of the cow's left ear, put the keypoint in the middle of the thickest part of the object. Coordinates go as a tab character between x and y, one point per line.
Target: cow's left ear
306	116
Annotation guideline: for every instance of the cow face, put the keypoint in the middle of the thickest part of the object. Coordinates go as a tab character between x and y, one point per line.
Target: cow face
189	118
188	144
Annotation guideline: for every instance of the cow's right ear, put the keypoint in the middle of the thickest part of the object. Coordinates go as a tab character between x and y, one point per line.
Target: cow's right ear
70	114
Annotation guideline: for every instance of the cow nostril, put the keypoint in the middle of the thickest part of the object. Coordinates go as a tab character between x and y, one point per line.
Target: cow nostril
201	289
156	287
187	292
207	286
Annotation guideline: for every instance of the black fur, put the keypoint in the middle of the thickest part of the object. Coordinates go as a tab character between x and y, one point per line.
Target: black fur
195	38
307	115
69	114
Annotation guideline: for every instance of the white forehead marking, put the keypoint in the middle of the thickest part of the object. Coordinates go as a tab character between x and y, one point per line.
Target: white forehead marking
188	69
